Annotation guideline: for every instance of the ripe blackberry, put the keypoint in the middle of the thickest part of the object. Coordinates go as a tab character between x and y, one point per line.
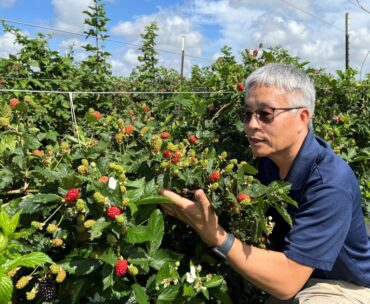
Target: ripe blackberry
48	289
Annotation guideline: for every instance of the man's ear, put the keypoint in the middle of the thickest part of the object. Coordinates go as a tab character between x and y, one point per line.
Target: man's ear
304	118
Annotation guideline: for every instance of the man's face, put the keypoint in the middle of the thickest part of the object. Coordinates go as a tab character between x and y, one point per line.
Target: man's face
279	137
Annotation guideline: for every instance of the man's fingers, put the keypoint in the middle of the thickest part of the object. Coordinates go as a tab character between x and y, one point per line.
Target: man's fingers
201	197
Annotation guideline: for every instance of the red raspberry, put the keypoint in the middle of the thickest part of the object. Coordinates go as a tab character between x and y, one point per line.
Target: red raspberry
165	135
130	112
72	195
240	86
243	196
145	108
121	267
129	129
113	211
104	179
14	102
214	176
193	139
96	114
175	160
167	153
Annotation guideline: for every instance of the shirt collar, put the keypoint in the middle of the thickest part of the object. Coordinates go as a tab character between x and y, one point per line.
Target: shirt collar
302	165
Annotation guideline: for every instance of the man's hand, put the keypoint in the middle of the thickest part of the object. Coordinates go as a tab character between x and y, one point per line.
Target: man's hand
199	214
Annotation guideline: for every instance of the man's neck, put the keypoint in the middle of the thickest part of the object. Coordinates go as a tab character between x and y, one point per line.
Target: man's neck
285	159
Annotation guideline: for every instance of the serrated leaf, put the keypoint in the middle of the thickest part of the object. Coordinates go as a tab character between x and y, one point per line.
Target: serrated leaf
32	260
138	183
140	295
32	203
215	281
248	169
285	215
156	226
49	175
289	200
161	256
138	234
169	294
8	223
6	288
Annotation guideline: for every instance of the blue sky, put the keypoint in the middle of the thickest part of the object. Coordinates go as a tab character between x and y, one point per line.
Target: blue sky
312	30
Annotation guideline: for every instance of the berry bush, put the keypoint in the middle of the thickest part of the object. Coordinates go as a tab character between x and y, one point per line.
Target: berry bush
80	220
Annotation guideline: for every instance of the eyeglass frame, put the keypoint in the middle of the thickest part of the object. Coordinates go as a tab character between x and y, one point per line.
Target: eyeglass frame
258	113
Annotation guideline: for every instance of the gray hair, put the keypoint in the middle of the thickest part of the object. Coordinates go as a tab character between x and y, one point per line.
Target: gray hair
287	78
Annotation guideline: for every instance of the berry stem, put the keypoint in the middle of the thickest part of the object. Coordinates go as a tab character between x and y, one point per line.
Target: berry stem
51	215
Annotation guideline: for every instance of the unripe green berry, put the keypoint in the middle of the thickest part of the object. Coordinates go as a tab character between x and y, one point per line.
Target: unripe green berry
99	198
133	270
54	268
81	205
120	219
51	228
89	224
229	168
37	225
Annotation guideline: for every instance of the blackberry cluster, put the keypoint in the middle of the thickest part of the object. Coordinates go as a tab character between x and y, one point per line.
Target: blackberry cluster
48	289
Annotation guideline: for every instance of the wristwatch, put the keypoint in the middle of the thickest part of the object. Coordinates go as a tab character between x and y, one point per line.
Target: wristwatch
223	250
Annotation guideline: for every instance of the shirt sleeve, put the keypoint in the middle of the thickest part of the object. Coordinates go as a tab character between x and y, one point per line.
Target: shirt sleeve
320	226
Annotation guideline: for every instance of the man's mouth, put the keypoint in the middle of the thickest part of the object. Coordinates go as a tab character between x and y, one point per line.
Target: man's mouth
255	140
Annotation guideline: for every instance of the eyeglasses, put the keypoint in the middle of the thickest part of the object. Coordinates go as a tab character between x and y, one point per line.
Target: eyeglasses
265	115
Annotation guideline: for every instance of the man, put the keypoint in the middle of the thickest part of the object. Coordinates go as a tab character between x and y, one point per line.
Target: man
325	256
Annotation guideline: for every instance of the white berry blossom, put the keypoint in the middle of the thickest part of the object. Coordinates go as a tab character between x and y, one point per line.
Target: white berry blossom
191	276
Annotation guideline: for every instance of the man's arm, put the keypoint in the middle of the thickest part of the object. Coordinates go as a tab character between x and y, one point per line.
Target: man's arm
269	270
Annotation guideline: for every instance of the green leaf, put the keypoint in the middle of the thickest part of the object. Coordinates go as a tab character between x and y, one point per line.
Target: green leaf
108	279
32	260
257	190
31	203
138	183
169	294
155	199
138	234
97	230
161	256
6	288
248	169
288	199
285	215
156	226
8	223
140	295
215	281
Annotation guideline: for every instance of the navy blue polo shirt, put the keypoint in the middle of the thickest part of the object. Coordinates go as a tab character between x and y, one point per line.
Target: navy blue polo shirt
328	231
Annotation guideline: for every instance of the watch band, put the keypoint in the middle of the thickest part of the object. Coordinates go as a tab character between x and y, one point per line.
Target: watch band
223	250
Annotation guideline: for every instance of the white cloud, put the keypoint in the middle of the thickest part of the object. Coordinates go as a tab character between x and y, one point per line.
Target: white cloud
8	45
69	14
171	29
7	3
